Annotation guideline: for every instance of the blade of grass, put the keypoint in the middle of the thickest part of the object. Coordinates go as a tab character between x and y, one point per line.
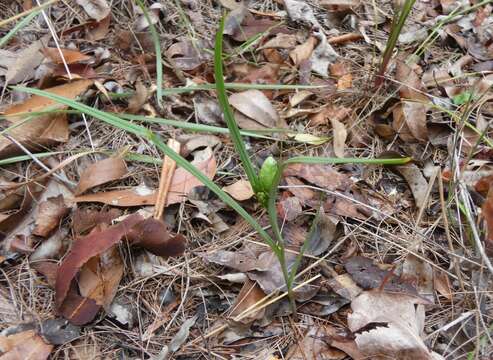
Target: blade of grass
4	40
228	112
157	47
27	12
398	21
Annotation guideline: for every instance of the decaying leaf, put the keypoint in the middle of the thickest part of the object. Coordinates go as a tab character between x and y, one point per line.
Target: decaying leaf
340	135
323	55
304	51
44	129
314	346
188	55
320	175
69	56
240	190
50	213
396	322
97	9
85	219
100	276
488	217
139	98
416	181
419	273
249	295
280	41
257	110
101	172
26	345
181	184
22	66
148	233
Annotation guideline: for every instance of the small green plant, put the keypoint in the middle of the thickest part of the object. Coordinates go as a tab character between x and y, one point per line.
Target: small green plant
400	17
265	182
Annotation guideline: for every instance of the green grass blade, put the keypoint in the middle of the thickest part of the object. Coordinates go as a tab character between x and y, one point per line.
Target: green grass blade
157	47
327	160
16	159
228	112
156	140
4	40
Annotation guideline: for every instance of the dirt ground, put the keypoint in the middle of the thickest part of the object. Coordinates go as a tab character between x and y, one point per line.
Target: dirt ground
109	250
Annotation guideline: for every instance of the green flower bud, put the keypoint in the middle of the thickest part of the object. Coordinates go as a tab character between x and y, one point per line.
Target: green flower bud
267	174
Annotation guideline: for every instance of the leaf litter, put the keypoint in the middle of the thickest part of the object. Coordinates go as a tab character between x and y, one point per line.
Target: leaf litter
389	270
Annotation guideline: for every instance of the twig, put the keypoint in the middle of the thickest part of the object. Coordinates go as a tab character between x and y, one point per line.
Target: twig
167	172
341	39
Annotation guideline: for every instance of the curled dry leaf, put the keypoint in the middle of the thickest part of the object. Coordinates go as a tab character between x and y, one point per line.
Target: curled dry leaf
416	181
280	41
304	51
396	322
256	109
340	136
50	213
96	9
149	233
21	66
249	295
26	345
85	219
101	172
187	55
240	190
45	129
314	346
139	98
69	56
323	55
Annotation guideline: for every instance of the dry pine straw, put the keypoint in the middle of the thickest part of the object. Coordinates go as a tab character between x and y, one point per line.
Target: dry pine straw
193	281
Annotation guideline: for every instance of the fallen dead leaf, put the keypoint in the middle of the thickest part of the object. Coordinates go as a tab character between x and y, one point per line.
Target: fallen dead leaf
101	172
45	129
149	233
487	211
188	55
441	283
340	136
22	66
85	219
420	274
100	276
397	325
240	190
26	345
97	9
139	98
320	175
50	213
314	346
256	109
249	295
304	51
416	181
69	56
280	41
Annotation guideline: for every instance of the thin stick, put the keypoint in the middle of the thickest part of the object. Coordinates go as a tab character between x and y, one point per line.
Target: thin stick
167	172
342	39
27	12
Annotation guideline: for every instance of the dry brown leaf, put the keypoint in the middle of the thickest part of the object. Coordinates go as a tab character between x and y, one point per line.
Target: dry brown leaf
96	9
45	129
139	98
26	345
314	346
100	276
416	181
69	56
26	61
136	196
398	323
345	82
280	41
187	55
419	273
441	283
340	136
240	190
320	175
50	213
254	105
304	51
487	212
98	30
85	219
249	295
101	172
149	233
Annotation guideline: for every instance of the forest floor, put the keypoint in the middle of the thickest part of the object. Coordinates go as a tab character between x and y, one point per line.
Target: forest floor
111	250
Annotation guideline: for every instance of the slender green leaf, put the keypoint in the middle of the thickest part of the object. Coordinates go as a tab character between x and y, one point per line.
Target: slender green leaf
228	112
5	39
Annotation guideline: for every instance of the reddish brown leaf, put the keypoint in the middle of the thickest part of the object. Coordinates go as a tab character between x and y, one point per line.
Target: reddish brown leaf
149	233
77	309
97	30
50	213
136	196
85	219
488	217
101	172
70	56
240	190
304	51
